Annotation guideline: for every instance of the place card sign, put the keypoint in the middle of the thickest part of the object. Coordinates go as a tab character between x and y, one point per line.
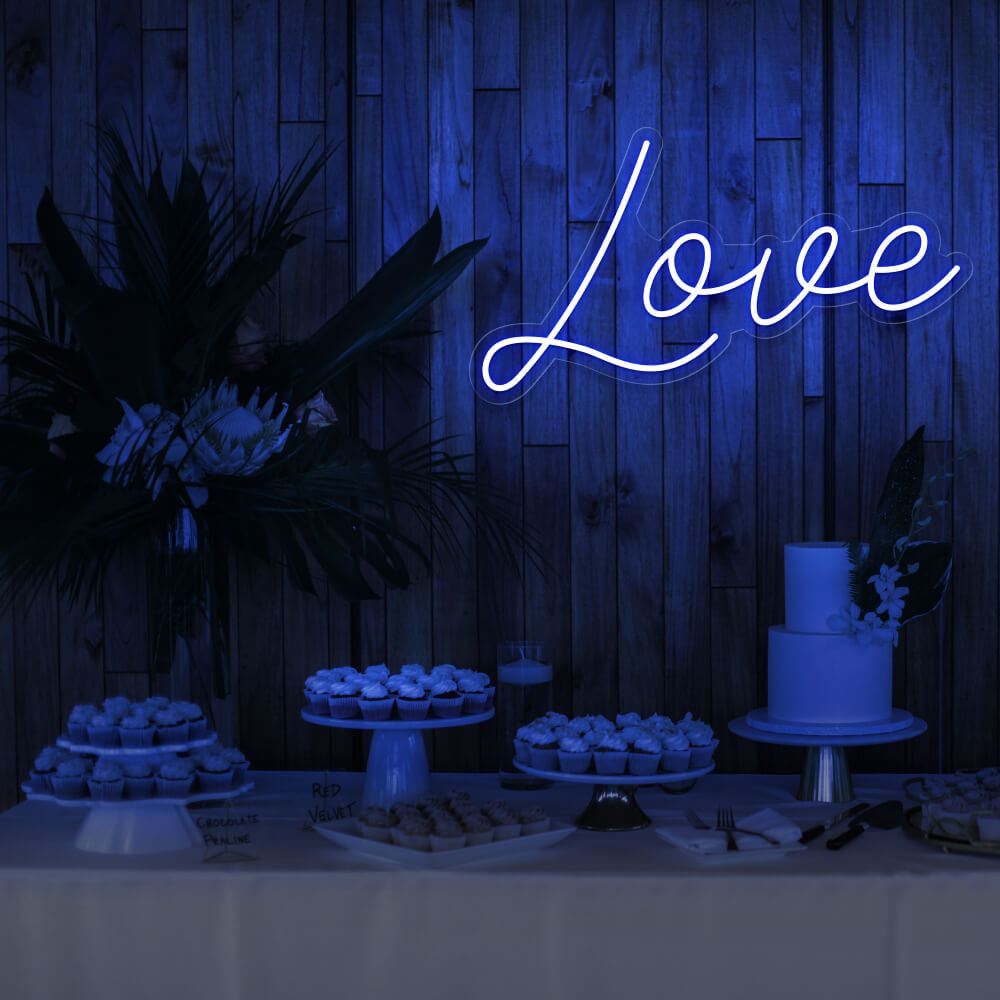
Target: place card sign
327	804
228	831
779	282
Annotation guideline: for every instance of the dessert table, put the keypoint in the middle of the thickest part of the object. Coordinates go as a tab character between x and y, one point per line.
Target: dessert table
597	915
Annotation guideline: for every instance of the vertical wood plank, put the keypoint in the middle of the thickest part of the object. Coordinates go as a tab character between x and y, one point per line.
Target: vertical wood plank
734	613
367	48
498	302
590	119
164	94
928	134
880	93
28	63
814	472
210	89
974	721
593	522
450	184
165	14
778	56
543	215
731	213
496	45
337	113
301	60
639	409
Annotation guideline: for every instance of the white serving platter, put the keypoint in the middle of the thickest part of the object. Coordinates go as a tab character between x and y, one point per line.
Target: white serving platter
346	833
724	858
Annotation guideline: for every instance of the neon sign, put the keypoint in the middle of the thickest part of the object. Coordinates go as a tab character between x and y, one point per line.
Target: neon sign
886	259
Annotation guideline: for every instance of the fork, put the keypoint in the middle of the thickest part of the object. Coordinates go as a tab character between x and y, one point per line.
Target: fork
724	821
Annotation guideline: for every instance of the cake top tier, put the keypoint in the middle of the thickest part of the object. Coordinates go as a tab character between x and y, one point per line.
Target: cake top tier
816	584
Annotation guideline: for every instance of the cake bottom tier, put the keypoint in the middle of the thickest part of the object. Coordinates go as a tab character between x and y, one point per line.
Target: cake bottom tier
818	678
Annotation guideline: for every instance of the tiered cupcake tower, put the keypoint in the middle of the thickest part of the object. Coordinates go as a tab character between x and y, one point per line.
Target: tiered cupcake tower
397	709
138	813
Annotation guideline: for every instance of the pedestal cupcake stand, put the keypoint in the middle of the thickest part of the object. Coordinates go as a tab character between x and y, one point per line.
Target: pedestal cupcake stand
397	768
137	826
612	807
825	774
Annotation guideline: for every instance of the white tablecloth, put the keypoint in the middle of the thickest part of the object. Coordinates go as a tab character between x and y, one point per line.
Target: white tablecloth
599	915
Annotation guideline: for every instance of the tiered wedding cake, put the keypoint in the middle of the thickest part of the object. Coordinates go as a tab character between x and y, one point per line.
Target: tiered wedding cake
816	676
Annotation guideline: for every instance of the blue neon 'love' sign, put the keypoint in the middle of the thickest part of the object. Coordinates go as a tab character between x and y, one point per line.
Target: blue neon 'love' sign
497	354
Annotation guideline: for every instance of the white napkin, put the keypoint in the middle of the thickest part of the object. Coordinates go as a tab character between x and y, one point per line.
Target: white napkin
766	821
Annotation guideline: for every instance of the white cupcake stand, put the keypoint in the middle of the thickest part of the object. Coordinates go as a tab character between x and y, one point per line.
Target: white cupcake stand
612	806
136	826
825	774
397	768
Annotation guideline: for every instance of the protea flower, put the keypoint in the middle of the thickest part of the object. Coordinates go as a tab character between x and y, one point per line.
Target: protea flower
229	438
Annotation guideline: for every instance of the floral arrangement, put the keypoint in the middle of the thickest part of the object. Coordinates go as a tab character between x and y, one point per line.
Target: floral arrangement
147	412
897	577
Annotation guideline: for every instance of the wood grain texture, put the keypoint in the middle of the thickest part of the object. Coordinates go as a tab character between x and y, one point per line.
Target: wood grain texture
337	97
367	47
778	58
164	99
301	60
169	14
497	45
881	83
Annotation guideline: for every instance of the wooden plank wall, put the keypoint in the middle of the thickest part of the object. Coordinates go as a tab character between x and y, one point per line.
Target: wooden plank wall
662	511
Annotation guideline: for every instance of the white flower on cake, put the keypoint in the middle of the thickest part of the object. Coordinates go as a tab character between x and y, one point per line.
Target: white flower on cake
866	629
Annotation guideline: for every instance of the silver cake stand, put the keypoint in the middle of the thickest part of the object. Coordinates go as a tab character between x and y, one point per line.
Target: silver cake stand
825	774
612	807
397	769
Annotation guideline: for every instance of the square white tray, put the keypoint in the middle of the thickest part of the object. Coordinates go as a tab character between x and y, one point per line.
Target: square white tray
346	833
724	858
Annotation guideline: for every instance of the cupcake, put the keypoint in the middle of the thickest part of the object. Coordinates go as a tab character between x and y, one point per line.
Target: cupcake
522	748
102	730
171	726
376	824
240	765
574	755
341	674
506	825
79	719
488	687
375	702
343	700
412	701
215	773
446	701
533	820
69	780
444	670
412	831
377	672
195	717
412	670
136	731
478	828
106	782
156	702
174	780
473	692
117	707
138	780
447	835
644	757
317	692
544	747
394	682
45	766
701	738
676	754
627	719
611	755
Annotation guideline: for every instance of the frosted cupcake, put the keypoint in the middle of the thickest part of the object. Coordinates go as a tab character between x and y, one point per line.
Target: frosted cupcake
174	780
611	755
136	731
46	765
79	719
240	764
138	778
375	702
341	674
171	726
377	672
574	755
676	754
644	757
393	683
447	835
478	829
69	780
195	717
106	782
544	747
444	670
412	831
317	692
376	824
533	820
412	701
701	738
473	692
522	748
215	773
343	700
446	700
102	730
622	720
506	825
156	702
117	707
412	670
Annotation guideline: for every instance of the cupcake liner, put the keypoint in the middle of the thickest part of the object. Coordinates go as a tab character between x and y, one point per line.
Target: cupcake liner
643	764
41	781
134	738
139	788
702	756
507	831
413	709
376	709
341	707
544	759
490	693
474	702
102	736
166	735
215	781
77	732
610	761
69	788
240	774
522	751
174	788
447	708
675	760
106	791
439	843
479	837
574	763
319	704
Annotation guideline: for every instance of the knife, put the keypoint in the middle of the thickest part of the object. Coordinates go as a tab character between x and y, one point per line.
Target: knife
820	828
885	816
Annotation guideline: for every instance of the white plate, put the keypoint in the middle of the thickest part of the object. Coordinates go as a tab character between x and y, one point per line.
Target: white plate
765	853
346	833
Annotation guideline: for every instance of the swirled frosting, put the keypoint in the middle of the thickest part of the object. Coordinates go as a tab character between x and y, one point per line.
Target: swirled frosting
674	740
377	671
612	741
174	770
646	743
135	722
75	767
106	770
409	691
444	687
574	744
374	691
